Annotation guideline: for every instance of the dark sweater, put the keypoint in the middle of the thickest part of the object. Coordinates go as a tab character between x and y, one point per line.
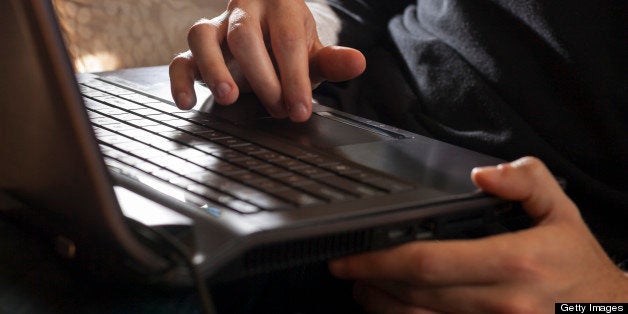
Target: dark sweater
508	78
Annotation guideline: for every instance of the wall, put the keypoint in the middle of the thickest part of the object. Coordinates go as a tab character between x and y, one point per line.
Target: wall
112	34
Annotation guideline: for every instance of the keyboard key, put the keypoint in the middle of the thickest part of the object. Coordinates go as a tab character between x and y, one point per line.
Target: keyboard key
297	197
164	174
212	194
143	122
251	149
94	105
271	156
257	198
188	153
247	177
242	207
103	120
147	112
318	160
230	141
350	186
167	108
294	179
178	123
215	164
118	126
113	138
250	163
270	186
229	154
112	111
197	117
90	92
130	146
273	171
290	163
119	102
341	168
128	116
159	128
109	88
139	98
326	192
192	127
149	153
146	166
176	164
211	134
313	172
208	178
182	182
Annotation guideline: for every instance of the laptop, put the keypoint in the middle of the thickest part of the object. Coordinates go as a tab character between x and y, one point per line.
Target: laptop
117	175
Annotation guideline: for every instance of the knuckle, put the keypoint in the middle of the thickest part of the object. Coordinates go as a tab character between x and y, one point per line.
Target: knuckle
202	27
239	34
180	60
529	164
530	169
424	268
523	266
234	4
239	19
181	57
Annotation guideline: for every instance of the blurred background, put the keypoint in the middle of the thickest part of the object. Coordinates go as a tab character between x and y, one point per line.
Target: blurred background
104	35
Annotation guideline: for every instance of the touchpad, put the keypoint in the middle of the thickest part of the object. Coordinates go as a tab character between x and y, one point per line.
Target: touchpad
319	131
325	129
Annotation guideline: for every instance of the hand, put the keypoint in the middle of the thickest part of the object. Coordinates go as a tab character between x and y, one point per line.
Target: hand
270	47
557	260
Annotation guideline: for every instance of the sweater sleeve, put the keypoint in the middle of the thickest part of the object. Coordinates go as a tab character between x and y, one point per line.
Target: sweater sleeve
354	23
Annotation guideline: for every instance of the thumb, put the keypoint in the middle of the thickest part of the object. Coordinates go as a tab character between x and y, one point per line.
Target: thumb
527	180
336	64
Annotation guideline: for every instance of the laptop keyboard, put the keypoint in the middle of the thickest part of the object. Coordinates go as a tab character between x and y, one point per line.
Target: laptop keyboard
187	151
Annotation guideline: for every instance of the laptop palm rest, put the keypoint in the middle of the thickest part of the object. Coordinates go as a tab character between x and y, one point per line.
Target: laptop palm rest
416	158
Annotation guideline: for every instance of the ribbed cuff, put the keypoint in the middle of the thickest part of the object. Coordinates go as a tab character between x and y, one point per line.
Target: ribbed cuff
328	24
623	265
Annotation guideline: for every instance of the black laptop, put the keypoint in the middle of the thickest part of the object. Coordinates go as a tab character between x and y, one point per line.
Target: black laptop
118	176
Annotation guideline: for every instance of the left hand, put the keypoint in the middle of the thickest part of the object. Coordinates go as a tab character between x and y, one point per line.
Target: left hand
557	260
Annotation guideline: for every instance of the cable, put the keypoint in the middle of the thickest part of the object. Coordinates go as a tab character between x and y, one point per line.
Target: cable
184	254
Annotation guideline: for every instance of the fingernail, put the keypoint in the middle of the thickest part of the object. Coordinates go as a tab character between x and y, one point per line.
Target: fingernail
486	169
298	111
222	90
184	100
479	169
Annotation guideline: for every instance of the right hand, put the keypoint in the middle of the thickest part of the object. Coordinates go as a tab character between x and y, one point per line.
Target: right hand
556	260
269	47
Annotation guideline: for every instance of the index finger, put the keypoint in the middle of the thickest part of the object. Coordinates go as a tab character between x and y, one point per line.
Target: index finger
428	263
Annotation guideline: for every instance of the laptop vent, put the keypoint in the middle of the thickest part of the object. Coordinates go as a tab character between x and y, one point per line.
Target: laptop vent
295	253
